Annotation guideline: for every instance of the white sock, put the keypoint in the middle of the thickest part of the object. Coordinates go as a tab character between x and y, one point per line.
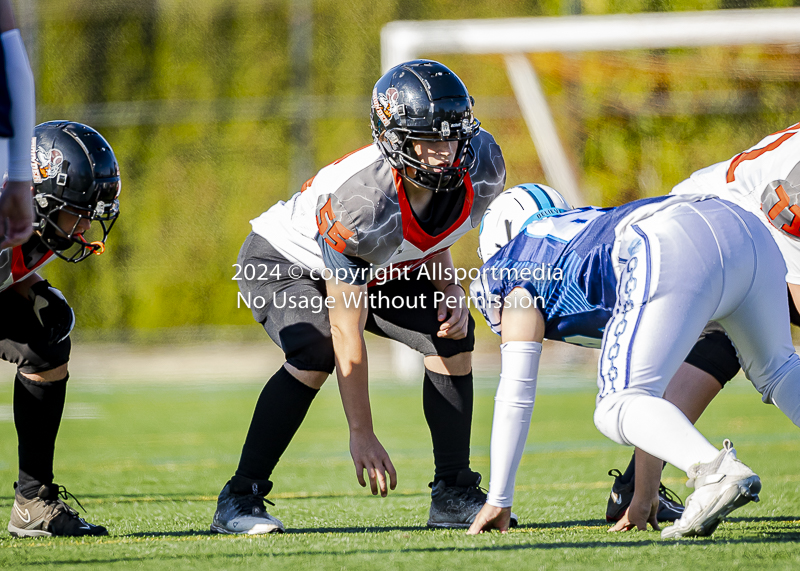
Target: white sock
659	428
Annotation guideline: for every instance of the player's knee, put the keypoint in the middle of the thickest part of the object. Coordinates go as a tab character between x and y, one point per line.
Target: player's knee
608	416
313	379
49	376
715	354
460	364
307	348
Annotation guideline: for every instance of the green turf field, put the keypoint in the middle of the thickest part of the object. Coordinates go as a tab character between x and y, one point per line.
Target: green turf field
148	460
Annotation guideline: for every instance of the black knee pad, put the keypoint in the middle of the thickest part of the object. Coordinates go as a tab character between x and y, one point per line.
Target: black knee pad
715	354
307	348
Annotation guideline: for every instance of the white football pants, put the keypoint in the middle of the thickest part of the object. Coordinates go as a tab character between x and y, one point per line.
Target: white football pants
679	269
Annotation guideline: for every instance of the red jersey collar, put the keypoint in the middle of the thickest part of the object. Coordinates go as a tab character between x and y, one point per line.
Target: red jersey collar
412	231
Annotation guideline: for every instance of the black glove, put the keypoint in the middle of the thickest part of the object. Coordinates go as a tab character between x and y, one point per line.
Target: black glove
52	311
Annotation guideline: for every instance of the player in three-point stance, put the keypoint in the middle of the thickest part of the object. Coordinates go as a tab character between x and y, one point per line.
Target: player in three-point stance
765	181
75	188
397	204
647	276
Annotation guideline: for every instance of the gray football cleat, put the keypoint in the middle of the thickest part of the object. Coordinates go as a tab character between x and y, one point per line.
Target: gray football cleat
456	506
243	513
47	515
721	486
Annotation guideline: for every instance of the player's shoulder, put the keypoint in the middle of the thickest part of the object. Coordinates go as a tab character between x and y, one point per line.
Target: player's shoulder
361	183
359	192
488	155
488	173
355	166
19	262
776	154
778	138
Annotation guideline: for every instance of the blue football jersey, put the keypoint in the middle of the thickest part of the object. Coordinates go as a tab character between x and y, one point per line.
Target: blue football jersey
565	263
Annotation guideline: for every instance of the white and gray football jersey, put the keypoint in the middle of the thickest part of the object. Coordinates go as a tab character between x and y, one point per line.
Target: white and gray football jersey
764	180
355	211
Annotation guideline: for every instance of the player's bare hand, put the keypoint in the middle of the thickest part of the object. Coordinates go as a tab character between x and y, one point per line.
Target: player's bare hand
454	304
368	454
490	517
638	515
16	213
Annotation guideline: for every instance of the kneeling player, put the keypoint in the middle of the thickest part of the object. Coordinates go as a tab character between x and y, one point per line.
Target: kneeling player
648	276
75	183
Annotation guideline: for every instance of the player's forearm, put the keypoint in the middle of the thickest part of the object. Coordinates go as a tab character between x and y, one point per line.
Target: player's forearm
647	478
347	333
353	376
23	106
523	331
512	417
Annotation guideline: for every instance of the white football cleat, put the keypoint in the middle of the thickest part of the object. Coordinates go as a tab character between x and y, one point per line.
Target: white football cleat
243	514
721	486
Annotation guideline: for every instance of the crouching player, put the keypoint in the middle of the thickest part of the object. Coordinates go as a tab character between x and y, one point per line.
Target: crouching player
75	183
764	180
396	205
647	276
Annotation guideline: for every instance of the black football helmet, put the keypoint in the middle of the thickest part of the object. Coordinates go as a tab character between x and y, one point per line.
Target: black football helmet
76	173
423	100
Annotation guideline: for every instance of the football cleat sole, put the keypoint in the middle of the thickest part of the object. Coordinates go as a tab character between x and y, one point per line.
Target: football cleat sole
22	532
259	529
707	521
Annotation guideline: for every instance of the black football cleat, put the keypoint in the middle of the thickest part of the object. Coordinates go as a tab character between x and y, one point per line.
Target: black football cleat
47	515
670	507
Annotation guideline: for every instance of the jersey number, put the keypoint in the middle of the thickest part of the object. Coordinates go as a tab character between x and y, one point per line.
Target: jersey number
333	232
783	202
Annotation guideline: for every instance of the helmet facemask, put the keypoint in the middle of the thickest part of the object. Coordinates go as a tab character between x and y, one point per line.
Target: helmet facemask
68	242
398	144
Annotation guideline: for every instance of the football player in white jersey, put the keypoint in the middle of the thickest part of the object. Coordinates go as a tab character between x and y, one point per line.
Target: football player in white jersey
17	117
647	276
764	180
388	210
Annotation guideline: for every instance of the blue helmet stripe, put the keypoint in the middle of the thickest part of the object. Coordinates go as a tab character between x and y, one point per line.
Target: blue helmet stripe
542	199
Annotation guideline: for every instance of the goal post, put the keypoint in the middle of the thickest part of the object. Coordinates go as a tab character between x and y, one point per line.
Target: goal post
513	38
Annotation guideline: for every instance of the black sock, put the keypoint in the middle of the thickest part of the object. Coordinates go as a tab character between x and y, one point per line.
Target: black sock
447	403
280	410
38	407
630	471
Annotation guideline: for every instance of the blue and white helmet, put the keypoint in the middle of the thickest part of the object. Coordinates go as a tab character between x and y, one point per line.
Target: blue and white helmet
512	211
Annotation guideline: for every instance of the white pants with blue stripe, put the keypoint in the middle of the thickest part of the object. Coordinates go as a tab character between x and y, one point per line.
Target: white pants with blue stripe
679	269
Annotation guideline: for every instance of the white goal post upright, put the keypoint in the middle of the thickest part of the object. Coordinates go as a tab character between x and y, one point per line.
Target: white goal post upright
405	40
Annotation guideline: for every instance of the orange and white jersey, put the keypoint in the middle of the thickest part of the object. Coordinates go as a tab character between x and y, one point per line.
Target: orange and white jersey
765	180
355	211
